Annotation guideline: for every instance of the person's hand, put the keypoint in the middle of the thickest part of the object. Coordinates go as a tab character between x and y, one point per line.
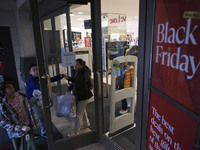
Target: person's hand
65	76
25	128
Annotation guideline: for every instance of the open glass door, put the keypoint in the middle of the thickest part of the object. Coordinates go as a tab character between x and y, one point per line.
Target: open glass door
120	22
58	39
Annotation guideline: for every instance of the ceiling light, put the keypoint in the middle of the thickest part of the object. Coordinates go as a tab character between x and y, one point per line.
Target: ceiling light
80	13
72	15
80	19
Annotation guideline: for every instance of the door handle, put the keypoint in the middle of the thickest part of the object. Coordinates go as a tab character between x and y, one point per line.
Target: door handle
50	90
107	85
99	84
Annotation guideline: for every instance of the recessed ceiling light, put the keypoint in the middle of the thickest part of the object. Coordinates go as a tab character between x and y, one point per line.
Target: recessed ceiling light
80	13
72	15
80	19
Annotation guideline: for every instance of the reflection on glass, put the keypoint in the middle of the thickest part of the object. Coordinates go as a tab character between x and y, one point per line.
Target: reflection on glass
63	112
125	78
47	24
124	109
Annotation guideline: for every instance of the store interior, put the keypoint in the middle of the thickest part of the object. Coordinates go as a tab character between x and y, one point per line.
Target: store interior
119	21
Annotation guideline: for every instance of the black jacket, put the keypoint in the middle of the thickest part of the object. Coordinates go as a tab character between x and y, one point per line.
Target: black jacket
82	84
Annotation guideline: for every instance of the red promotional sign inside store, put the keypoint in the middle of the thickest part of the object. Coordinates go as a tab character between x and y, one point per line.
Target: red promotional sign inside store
87	42
169	129
176	53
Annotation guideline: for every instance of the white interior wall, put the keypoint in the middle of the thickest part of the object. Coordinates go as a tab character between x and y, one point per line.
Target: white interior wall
21	31
132	25
128	7
25	25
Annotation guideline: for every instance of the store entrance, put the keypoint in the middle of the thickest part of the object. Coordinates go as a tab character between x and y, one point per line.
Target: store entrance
62	47
98	46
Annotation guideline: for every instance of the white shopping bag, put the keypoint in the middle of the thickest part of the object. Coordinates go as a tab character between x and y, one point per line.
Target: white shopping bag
38	95
66	105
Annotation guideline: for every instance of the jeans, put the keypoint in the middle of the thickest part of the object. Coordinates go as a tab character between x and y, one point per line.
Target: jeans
124	104
39	114
18	143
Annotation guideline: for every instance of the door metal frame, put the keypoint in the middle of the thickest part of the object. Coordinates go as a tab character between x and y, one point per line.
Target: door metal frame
98	135
146	33
146	20
41	64
95	135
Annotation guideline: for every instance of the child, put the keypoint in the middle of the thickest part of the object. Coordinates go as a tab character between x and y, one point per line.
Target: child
34	84
15	117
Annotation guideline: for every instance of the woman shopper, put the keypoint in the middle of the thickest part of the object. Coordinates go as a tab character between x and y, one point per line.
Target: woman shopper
82	86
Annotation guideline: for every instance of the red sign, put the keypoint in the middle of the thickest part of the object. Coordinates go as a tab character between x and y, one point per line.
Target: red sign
169	128
118	19
87	42
1	67
176	53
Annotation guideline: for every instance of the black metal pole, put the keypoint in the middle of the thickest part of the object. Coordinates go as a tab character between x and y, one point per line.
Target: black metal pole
69	35
43	37
55	52
69	31
97	62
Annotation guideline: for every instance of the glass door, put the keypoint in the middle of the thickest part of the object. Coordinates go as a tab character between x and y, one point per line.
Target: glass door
57	42
120	32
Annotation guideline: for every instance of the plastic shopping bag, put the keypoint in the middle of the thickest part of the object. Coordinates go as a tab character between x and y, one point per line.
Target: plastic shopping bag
38	95
66	105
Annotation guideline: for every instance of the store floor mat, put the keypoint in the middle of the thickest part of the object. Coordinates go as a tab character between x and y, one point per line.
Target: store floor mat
126	140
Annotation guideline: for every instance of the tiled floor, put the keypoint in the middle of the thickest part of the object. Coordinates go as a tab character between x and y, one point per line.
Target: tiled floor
63	124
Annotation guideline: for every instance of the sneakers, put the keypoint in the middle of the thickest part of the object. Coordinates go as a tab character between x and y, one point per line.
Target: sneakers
84	125
122	112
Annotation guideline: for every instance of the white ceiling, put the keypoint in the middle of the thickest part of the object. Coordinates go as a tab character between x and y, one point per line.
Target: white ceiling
128	7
